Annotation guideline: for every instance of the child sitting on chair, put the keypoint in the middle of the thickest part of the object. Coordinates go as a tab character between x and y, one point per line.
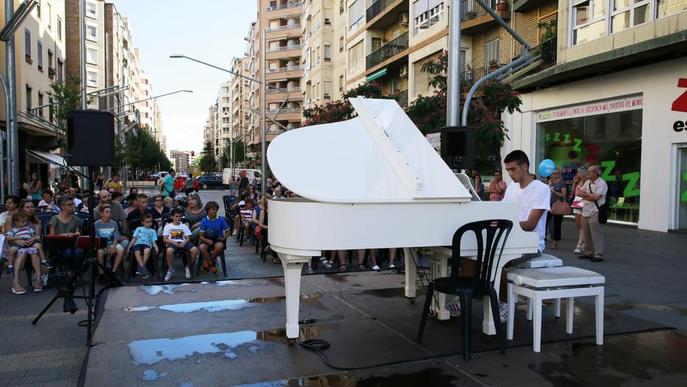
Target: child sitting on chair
177	237
108	231
22	238
213	232
143	242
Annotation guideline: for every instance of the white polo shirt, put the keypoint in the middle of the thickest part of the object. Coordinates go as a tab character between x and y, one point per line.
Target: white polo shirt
536	196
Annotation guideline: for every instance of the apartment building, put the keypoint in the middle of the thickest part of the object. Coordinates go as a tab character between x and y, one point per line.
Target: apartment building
39	62
182	160
610	90
252	67
280	22
240	95
115	80
317	54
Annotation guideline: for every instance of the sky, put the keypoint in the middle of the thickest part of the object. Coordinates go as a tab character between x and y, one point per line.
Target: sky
209	30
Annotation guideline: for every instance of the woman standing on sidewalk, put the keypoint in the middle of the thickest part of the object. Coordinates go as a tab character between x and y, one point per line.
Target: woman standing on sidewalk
497	187
576	205
559	192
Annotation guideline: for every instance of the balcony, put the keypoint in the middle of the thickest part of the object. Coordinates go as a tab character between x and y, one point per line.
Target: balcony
291	8
287	114
284	27
392	48
284	31
279	94
384	13
291	51
474	18
284	73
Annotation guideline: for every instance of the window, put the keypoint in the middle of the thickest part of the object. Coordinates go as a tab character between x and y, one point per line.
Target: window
50	57
60	70
48	7
627	13
59	28
29	97
341	43
356	58
91	55
491	53
27	45
91	10
375	44
341	6
39	54
51	110
317	51
38	9
429	12
356	15
327	53
40	104
91	32
341	82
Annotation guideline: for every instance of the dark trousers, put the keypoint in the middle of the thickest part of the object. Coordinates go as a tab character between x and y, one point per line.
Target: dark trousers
557	222
72	257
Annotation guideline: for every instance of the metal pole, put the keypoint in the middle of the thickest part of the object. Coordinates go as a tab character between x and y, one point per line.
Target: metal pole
263	141
3	137
231	129
12	130
82	62
453	94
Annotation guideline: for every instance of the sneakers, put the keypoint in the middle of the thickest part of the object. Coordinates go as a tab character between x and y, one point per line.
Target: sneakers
18	292
578	250
218	263
326	263
375	267
392	266
10	270
169	275
46	264
187	272
143	272
503	311
454	309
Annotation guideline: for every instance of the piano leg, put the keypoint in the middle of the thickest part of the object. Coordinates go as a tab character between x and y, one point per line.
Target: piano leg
293	265
439	269
410	257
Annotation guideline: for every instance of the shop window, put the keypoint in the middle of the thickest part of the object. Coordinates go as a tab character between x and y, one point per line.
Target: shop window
612	141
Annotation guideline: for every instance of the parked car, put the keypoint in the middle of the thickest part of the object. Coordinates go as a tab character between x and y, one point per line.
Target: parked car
210	182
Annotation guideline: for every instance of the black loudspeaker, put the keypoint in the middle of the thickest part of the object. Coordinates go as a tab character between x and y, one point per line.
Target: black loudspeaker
458	147
90	138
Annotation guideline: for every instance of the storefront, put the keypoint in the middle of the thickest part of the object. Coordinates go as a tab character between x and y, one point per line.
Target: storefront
625	122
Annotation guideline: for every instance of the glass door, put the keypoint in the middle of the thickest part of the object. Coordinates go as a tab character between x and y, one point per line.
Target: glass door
682	190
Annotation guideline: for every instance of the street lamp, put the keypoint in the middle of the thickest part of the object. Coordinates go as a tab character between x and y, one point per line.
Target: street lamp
153	97
264	107
13	20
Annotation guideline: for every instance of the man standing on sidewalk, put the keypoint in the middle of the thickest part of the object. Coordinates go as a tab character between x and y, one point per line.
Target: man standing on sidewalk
593	194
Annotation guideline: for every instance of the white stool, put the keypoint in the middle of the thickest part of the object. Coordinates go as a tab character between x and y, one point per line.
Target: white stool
555	283
538	262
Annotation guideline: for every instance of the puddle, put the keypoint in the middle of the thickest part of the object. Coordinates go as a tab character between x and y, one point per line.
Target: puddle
661	308
152	351
154	290
150	375
629	359
426	377
218	306
385	293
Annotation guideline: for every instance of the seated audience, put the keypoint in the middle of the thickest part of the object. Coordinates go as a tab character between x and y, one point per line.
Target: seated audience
212	234
144	241
177	238
108	232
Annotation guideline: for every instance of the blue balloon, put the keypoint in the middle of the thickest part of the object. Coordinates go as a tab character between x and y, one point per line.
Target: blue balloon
546	168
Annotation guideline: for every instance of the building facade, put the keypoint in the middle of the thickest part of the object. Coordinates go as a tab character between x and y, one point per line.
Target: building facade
612	93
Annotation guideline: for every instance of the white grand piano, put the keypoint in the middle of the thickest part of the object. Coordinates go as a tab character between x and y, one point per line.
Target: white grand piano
372	182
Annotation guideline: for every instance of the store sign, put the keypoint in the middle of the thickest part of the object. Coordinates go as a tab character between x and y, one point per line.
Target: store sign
602	107
680	105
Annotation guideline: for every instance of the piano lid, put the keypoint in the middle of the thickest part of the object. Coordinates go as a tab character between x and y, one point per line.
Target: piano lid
379	156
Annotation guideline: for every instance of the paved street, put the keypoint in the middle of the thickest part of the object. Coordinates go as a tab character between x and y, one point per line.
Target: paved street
643	274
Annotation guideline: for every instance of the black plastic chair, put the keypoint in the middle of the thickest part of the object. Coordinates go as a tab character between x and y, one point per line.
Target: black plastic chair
228	201
482	284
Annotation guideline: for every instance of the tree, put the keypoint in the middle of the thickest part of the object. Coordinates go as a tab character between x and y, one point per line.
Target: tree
484	112
239	153
207	161
340	110
141	151
67	98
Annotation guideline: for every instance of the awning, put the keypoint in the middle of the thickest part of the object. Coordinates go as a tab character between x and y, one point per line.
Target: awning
376	75
45	157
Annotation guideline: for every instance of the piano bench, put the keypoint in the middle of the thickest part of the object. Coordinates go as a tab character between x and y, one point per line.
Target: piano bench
555	283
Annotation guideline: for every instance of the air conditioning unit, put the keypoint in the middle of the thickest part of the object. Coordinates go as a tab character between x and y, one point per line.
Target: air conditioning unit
404	71
327	96
327	21
403	19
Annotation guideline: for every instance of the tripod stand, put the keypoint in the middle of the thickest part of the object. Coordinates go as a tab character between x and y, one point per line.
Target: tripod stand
66	290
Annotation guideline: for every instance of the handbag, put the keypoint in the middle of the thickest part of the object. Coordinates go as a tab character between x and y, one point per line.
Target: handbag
561	208
577	203
258	232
